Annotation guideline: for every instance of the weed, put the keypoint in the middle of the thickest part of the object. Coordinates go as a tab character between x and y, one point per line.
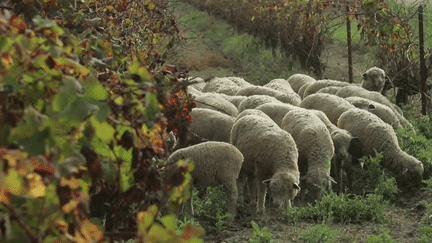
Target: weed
384	237
260	235
319	233
425	228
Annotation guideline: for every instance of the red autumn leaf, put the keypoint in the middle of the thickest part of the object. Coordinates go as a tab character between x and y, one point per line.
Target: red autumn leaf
18	24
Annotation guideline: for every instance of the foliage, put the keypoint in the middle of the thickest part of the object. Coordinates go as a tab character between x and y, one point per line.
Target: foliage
211	209
86	102
384	237
417	144
297	28
260	235
425	228
389	30
319	233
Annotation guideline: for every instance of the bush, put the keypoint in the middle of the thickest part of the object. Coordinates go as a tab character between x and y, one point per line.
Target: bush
260	235
319	234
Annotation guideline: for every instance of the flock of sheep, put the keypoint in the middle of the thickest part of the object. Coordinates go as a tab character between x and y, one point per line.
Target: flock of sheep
290	134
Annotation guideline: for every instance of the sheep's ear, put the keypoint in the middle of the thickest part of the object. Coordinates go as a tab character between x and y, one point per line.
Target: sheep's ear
296	186
404	170
371	107
355	148
332	180
266	182
364	75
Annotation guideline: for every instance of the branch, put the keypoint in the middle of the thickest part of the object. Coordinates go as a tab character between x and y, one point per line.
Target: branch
33	238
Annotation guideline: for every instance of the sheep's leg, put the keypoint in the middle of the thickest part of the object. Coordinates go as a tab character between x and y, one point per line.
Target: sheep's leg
261	191
240	186
252	184
231	189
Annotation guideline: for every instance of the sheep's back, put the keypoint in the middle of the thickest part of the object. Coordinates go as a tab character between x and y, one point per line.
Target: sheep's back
298	80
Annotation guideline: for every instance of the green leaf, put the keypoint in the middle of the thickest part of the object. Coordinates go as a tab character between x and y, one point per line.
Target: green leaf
104	131
95	90
35	145
169	222
152	106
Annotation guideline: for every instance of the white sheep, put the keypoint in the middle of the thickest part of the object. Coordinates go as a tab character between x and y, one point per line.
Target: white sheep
234	99
373	79
380	136
346	147
197	83
211	125
215	101
298	80
276	111
315	87
249	112
330	89
222	85
270	156
315	148
290	98
375	96
193	92
332	105
382	111
215	163
280	85
240	82
251	102
303	88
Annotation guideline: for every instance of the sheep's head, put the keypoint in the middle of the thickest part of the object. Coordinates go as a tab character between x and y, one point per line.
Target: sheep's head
284	187
316	184
374	79
410	173
345	144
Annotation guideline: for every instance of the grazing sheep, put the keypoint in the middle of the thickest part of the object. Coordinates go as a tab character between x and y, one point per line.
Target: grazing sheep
315	148
216	163
249	112
382	111
215	101
240	82
234	99
290	98
315	87
332	105
347	150
197	83
375	96
303	88
251	102
276	111
211	125
330	89
298	80
270	156
374	79
380	136
280	85
193	92
222	85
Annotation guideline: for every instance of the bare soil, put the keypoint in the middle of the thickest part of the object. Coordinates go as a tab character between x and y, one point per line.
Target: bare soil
204	60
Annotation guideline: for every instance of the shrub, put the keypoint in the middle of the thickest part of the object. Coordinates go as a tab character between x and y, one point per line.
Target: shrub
260	235
319	234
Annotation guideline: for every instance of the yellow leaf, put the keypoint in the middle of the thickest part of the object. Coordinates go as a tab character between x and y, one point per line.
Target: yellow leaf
89	232
71	182
71	205
37	187
61	225
3	195
14	182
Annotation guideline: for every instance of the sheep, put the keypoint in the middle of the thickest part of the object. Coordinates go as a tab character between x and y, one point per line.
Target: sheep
270	157
332	105
215	163
234	99
380	136
315	87
330	89
347	149
315	148
249	112
280	85
298	80
375	96
303	88
240	82
211	125
193	92
374	79
290	98
276	111
197	83
215	101
382	111
222	85
251	102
